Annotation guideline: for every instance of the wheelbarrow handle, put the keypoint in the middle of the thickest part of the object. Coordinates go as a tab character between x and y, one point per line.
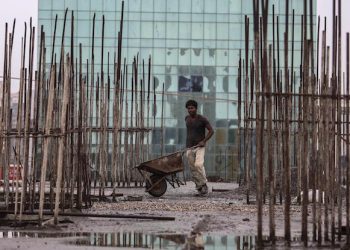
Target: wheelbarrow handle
185	149
194	147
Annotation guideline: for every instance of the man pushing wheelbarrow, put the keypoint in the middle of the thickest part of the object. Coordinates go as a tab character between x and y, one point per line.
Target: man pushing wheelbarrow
164	169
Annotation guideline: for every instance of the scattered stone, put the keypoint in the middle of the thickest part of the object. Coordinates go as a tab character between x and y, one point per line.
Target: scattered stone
220	190
65	221
134	198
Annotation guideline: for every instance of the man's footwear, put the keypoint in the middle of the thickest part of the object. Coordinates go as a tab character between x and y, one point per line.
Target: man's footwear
203	190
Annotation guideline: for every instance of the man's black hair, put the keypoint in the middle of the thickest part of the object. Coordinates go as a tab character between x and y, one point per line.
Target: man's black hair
191	103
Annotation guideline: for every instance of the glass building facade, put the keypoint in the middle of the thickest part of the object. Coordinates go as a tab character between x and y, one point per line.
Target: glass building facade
195	47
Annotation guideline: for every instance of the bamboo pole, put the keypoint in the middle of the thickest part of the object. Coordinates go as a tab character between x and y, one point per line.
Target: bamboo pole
63	136
239	112
103	167
116	134
19	128
46	141
92	83
132	107
347	200
286	165
126	134
259	163
86	149
37	97
27	123
148	104
339	117
4	114
333	126
270	153
121	159
162	124
327	154
315	129
247	109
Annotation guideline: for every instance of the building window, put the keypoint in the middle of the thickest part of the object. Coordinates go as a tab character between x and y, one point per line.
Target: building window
194	83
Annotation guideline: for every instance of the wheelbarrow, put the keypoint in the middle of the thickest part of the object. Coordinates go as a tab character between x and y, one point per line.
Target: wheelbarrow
159	171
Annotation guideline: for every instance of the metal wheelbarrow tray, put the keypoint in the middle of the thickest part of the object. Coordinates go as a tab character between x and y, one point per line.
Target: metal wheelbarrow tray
162	170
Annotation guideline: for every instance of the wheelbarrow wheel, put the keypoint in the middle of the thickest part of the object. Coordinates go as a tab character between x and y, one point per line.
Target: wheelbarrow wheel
160	188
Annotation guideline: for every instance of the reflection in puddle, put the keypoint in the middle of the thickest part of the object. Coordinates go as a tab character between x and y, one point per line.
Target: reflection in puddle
171	241
140	240
164	241
18	234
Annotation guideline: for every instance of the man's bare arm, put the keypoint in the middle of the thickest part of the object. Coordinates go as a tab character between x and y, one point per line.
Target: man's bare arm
208	136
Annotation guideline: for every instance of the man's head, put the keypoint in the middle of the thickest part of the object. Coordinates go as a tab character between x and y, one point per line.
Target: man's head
191	106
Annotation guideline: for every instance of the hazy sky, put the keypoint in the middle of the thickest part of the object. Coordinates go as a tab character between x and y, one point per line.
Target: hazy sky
22	10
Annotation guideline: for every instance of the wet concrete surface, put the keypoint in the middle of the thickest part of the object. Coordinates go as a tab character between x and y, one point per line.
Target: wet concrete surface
220	220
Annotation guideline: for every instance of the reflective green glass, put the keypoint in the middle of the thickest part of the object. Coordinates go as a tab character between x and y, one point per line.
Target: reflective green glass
83	5
159	5
160	17
172	29
185	6
147	5
197	31
134	5
197	6
184	31
159	56
223	18
185	17
209	30
71	4
172	43
84	15
222	6
184	56
209	6
222	31
134	29
97	5
172	6
45	5
221	107
210	18
172	17
58	5
45	15
84	29
110	5
209	56
147	16
235	31
197	17
159	30
146	30
235	6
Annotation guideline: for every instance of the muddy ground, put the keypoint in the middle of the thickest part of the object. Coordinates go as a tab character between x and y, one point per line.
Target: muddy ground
221	220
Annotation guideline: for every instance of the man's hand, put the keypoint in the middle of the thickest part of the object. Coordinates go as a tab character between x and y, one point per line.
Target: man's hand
201	144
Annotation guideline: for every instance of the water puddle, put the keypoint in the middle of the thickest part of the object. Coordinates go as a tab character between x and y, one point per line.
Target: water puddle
33	234
167	241
191	242
135	240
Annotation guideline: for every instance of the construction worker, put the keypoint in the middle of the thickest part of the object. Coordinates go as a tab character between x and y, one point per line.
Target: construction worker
197	125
